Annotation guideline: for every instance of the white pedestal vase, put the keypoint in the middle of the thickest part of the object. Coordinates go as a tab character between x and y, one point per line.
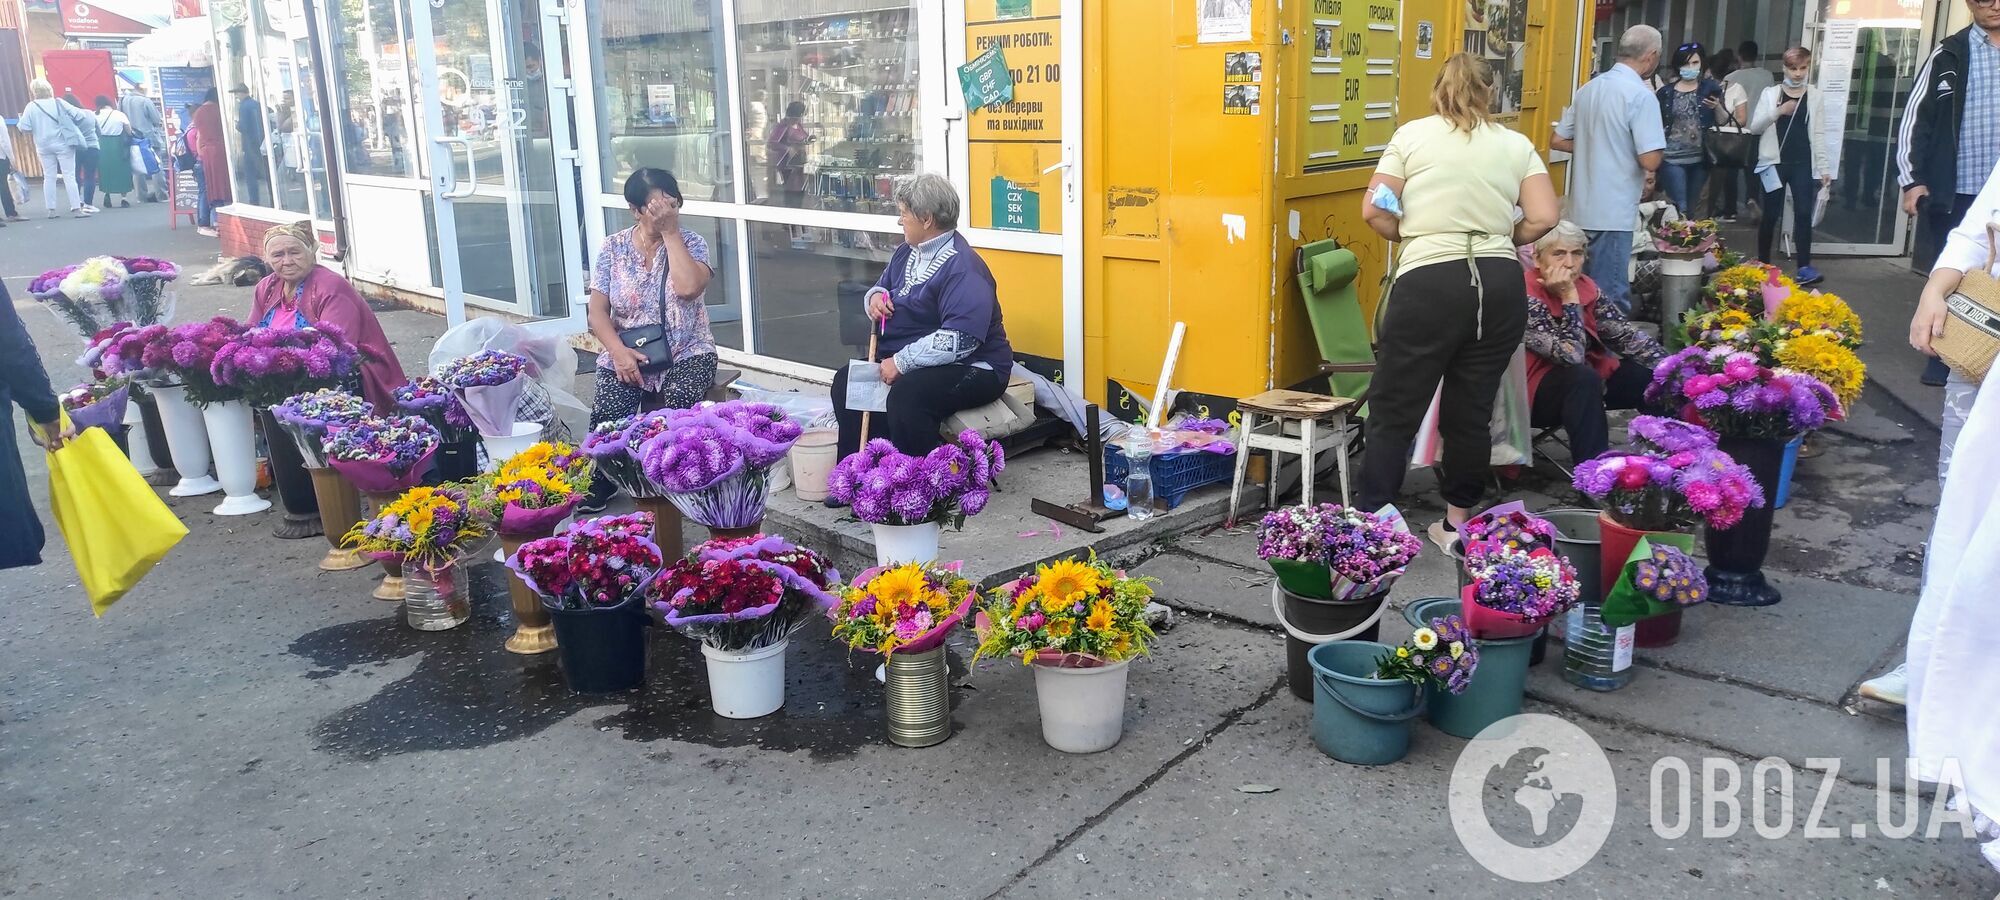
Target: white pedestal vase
137	447
898	544
187	440
234	443
1083	710
746	685
499	448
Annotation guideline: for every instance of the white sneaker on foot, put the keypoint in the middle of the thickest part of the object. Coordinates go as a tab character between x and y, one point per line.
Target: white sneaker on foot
1892	686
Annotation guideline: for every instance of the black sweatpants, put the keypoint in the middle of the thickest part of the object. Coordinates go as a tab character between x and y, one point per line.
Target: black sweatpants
1805	198
919	402
1430	335
1934	225
1576	398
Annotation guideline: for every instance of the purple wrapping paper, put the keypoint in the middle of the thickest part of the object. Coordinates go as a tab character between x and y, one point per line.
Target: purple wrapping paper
369	475
108	413
516	521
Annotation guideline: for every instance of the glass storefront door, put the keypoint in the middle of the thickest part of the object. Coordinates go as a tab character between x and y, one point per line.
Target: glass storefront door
496	107
1867	54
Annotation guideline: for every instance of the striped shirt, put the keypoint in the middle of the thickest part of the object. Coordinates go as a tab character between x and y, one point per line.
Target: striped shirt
1979	128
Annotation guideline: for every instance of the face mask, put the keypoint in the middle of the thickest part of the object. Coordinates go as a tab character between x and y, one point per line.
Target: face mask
1690	73
1791	82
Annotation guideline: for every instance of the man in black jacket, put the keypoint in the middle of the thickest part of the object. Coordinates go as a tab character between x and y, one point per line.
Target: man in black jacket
1942	158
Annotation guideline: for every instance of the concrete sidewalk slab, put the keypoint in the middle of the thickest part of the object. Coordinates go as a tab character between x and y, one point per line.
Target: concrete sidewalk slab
1816	644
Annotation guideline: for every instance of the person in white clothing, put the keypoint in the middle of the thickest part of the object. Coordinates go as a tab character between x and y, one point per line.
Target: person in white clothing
57	127
7	209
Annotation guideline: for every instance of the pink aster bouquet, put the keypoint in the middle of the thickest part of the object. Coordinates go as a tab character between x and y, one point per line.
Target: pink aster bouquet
1659	577
602	563
99	404
489	384
270	364
1667	477
534	489
136	351
307	417
909	608
1441	655
431	398
146	279
1731	393
382	454
1514	591
714	461
1334	552
887	487
745	594
190	358
1508	526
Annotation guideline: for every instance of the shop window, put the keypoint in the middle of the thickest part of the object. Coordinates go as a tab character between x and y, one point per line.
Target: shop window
724	297
829	103
664	101
809	284
372	84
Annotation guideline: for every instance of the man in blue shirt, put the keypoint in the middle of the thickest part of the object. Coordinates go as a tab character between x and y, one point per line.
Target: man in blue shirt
1614	133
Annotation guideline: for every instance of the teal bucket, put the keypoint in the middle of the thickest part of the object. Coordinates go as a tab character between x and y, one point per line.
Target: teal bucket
1358	718
1497	685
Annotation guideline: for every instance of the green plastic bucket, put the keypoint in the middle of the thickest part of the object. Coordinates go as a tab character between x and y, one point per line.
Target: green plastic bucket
1497	685
1357	718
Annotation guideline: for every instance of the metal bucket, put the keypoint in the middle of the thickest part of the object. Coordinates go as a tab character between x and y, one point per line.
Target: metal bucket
918	698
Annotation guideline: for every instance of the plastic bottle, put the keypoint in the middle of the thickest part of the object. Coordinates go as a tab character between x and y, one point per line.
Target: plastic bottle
1139	476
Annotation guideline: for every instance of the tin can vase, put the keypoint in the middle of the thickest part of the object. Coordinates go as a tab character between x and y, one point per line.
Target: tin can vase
918	698
434	597
391	588
339	510
533	632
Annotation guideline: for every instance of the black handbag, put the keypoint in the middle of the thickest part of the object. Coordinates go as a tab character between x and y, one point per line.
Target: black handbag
1732	149
651	340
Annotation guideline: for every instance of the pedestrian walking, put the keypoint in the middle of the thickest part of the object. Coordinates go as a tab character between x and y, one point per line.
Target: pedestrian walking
1950	136
58	139
7	209
212	155
1457	307
23	382
114	161
1614	132
1689	106
1793	157
87	155
149	128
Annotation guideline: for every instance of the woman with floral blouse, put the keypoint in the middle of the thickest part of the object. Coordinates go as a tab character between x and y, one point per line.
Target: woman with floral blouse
1584	358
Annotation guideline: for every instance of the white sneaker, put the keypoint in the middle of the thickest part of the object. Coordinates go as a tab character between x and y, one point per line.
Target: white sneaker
1892	686
91	209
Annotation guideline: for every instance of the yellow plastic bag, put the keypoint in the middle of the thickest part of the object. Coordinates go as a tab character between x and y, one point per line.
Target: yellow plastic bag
116	527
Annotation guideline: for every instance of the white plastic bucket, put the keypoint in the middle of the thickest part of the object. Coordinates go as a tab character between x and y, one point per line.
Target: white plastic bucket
813	458
234	443
499	448
746	685
898	544
1083	710
187	442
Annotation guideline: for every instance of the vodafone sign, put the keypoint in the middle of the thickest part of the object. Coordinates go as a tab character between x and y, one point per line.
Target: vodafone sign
83	18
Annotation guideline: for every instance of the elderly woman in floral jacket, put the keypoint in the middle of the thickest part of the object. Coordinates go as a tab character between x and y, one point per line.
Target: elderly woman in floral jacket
1584	357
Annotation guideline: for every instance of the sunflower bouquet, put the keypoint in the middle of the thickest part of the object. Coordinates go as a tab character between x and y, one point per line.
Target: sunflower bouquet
909	608
534	489
428	527
1813	313
1068	614
1824	357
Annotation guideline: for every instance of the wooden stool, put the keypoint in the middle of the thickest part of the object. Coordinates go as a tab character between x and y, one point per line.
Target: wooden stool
1266	423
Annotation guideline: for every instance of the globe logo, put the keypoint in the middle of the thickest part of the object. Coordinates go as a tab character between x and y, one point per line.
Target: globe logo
1532	798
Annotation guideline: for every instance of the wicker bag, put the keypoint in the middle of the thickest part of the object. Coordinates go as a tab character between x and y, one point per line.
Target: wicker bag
1971	336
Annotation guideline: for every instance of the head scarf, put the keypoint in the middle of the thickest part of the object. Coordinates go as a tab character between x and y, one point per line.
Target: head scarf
301	231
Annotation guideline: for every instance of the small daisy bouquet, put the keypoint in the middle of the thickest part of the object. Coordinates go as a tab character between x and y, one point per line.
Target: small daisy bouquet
1068	614
307	417
713	461
534	489
745	594
1669	476
1334	552
1729	391
489	384
1659	577
1440	655
602	563
887	487
430	397
1689	237
267	365
382	454
1515	590
97	404
428	527
909	608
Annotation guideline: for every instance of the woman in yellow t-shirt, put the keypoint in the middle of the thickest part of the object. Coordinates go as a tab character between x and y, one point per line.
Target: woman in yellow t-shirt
1447	188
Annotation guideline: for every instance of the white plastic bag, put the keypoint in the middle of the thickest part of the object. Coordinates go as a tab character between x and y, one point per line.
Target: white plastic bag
550	400
1511	436
810	410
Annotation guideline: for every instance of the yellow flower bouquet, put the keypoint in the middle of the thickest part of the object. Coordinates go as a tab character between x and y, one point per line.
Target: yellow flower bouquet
909	608
428	527
1811	312
1068	614
534	489
1827	359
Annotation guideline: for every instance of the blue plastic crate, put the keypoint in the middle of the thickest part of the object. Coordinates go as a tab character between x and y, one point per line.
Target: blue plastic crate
1173	476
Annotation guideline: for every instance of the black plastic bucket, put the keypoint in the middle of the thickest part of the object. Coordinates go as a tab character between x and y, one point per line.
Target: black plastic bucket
602	650
156	432
458	460
1321	617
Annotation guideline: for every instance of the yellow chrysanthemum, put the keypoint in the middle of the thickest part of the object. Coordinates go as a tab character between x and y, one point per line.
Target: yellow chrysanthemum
1828	360
1121	646
1100	616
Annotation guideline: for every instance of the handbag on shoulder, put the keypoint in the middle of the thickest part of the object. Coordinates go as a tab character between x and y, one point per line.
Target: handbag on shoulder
651	340
1971	336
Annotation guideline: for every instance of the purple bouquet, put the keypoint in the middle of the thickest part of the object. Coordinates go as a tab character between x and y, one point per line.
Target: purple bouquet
887	487
1336	552
379	454
611	459
1670	475
1729	391
489	384
1528	587
1669	575
1507	526
270	364
713	461
97	405
307	417
190	356
430	397
146	279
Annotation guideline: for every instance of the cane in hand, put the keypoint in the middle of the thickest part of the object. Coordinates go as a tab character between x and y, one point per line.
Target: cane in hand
874	339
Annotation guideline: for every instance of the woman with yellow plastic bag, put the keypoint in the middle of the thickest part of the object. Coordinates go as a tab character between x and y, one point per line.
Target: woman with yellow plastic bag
116	527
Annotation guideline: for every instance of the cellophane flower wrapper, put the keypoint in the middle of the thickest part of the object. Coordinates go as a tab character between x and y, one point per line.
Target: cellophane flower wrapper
1505	525
797	597
107	412
491	407
737	501
1301	543
147	300
432	399
604	563
611	459
931	638
307	417
1345	588
379	477
518	520
1635	595
1514	590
